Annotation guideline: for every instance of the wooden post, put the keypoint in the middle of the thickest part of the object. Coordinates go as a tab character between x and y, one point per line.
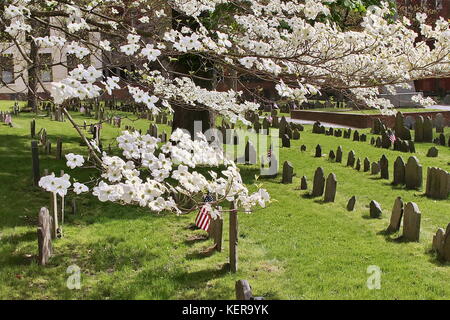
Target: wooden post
243	290
35	160
55	215
218	232
44	236
59	149
233	238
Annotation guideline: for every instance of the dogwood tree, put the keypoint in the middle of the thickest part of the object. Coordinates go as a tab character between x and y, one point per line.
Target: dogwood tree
178	51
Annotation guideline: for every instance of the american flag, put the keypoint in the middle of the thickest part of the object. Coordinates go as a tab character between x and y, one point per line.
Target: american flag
392	137
203	218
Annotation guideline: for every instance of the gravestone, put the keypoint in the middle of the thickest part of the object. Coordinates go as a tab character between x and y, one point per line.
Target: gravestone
285	141
375	168
433	152
288	172
318	151
442	139
438	242
44	236
363	138
375	209
331	155
366	164
339	154
358	164
243	290
351	203
351	159
378	142
413	174
439	122
399	171
412	147
303	148
396	216
418	129
250	153
384	167
356	136
59	154
296	134
304	183
411	222
372	141
427	130
318	183
438	183
330	188
35	163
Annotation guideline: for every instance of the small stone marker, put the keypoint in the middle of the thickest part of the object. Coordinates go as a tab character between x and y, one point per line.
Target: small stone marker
339	154
418	129
303	148
285	141
44	236
318	183
318	151
396	216
384	167
358	164
244	291
413	173
331	155
433	152
375	209
304	183
438	242
330	188
411	222
351	203
288	172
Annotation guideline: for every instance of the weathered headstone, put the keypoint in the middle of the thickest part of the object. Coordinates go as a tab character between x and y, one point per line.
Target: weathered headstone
303	148
375	209
399	171
433	152
285	141
358	164
351	203
411	222
418	129
304	183
318	151
396	216
288	172
243	290
438	183
331	155
439	122
330	188
339	154
413	173
427	130
384	167
351	159
375	168
366	164
318	183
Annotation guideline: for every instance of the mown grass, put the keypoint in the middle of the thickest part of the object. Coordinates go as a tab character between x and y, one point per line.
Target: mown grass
298	248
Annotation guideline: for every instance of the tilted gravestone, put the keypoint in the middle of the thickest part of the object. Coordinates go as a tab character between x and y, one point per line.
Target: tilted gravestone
399	171
339	154
304	183
433	152
384	167
418	130
427	130
351	159
318	183
375	168
366	164
351	203
44	236
288	172
318	151
413	173
330	188
375	209
411	222
396	216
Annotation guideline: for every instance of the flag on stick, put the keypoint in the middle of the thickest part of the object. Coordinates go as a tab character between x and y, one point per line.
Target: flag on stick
203	219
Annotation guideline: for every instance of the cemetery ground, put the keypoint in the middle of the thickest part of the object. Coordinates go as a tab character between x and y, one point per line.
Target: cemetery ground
297	248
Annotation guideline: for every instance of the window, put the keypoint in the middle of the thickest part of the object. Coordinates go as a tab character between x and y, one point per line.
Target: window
7	68
45	60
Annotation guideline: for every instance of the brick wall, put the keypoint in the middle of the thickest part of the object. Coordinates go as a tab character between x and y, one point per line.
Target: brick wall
359	120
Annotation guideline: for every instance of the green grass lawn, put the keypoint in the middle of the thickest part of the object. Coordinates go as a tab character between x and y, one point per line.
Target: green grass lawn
298	248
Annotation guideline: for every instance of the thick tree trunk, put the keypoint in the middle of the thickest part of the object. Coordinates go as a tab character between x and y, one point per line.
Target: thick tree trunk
186	118
32	78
